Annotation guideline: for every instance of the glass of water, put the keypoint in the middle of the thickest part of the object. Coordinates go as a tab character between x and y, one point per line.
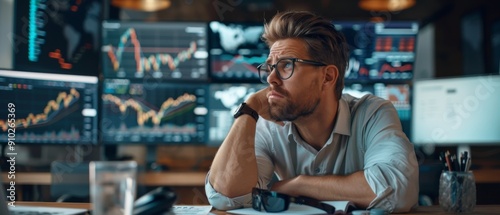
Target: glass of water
113	187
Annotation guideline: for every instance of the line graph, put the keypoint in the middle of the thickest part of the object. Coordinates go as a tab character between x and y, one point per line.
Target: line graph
158	50
54	110
237	66
47	115
164	114
168	109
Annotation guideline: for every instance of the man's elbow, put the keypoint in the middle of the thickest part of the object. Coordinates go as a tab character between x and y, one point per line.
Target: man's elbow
222	204
403	205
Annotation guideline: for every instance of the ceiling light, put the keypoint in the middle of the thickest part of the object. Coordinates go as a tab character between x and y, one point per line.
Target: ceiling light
386	5
142	5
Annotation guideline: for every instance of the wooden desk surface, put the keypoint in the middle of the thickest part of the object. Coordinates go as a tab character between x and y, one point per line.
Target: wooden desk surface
148	179
194	178
435	209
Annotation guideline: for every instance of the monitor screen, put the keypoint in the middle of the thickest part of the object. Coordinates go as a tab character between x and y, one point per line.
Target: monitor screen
153	113
57	36
380	51
49	108
160	50
236	49
461	110
398	94
223	101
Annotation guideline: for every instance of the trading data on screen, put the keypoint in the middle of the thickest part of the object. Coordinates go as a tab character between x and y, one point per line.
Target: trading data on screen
223	101
57	36
160	50
236	49
49	108
380	51
153	113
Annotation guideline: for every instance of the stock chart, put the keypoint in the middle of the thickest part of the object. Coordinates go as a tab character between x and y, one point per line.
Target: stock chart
57	36
52	109
236	50
380	51
152	113
171	50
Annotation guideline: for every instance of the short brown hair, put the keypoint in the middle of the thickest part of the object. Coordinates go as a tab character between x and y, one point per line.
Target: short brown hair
324	43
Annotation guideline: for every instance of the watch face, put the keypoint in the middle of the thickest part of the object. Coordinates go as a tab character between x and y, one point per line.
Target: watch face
237	111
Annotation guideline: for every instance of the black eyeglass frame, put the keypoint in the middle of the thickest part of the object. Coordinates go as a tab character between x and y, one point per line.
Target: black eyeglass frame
260	195
270	67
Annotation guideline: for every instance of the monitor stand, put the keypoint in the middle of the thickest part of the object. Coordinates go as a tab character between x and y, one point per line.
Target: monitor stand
151	160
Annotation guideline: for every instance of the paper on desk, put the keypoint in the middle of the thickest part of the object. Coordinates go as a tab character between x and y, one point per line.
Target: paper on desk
296	209
191	209
293	209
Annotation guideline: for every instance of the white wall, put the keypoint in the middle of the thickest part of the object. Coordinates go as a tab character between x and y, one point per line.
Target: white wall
6	33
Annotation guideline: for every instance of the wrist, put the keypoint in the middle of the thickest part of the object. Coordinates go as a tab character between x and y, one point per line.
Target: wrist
245	109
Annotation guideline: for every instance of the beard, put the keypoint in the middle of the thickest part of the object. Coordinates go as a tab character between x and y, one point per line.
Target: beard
292	110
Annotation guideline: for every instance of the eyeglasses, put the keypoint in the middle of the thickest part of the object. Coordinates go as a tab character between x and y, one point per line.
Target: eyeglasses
284	68
277	202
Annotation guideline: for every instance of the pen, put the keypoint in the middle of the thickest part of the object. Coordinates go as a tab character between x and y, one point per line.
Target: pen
456	164
447	157
463	161
467	166
443	160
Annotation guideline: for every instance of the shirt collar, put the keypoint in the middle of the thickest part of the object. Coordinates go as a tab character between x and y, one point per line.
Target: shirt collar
342	126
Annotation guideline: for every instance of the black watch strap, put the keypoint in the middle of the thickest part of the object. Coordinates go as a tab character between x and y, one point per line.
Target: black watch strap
245	109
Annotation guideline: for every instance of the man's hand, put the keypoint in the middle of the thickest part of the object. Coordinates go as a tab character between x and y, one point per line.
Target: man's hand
259	102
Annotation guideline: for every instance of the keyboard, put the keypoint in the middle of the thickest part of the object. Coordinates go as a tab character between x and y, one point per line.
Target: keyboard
35	210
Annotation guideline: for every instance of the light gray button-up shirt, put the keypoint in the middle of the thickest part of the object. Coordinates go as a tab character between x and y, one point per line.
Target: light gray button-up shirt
367	136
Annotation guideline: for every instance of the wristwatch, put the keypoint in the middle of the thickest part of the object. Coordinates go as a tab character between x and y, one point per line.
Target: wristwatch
245	109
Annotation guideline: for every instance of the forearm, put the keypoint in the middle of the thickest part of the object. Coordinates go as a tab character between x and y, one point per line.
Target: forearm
352	187
234	168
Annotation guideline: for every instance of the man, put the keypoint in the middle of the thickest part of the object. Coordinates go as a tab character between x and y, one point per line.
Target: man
318	142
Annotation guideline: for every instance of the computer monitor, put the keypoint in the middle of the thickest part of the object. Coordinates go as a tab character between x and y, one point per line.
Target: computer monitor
172	51
398	94
457	111
223	100
152	113
56	36
380	50
41	108
236	49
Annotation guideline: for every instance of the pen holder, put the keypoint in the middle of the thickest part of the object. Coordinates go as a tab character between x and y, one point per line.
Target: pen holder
457	191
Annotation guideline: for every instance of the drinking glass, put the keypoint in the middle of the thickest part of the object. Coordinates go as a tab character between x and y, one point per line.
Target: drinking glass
113	185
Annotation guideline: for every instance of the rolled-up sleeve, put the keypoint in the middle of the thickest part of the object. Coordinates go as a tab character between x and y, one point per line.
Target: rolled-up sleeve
221	202
391	167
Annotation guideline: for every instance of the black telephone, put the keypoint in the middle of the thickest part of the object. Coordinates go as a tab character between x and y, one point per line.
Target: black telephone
157	201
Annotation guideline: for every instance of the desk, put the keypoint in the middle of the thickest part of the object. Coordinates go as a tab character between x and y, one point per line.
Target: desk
435	209
87	206
195	178
147	179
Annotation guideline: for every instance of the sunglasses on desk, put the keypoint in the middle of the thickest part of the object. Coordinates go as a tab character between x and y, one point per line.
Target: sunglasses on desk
277	202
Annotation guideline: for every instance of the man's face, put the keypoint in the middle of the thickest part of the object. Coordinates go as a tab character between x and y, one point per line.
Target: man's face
299	95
